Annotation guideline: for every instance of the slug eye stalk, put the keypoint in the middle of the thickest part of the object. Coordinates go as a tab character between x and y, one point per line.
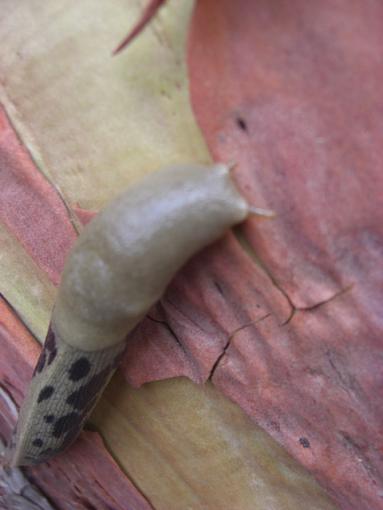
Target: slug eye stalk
263	213
118	268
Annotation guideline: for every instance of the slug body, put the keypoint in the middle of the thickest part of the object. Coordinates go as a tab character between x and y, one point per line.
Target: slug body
118	268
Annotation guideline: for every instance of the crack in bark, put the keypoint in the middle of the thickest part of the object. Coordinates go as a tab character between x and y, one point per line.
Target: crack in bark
325	301
247	247
179	310
228	342
319	304
359	451
170	330
346	380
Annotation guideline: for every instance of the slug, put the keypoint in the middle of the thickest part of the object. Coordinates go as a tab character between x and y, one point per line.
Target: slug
118	268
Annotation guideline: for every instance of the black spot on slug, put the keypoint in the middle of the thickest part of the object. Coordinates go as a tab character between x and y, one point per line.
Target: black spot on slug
50	342
72	433
37	442
70	425
40	363
45	393
81	398
79	369
241	124
304	442
50	345
48	353
52	356
65	423
49	418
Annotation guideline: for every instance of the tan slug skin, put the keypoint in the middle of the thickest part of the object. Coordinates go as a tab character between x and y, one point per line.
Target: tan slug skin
118	268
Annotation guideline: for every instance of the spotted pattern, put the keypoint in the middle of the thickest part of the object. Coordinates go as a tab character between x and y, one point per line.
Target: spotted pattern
79	369
64	397
50	345
80	398
45	393
65	423
40	363
48	353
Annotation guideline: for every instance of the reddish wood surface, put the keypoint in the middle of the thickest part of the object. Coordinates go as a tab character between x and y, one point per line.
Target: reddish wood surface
30	207
86	476
284	316
292	92
219	293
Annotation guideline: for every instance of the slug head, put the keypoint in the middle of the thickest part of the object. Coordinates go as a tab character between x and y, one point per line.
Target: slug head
127	255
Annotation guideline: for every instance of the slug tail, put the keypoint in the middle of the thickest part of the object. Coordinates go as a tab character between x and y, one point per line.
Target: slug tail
66	385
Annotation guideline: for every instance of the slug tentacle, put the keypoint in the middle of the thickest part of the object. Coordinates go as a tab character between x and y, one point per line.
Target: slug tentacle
118	268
